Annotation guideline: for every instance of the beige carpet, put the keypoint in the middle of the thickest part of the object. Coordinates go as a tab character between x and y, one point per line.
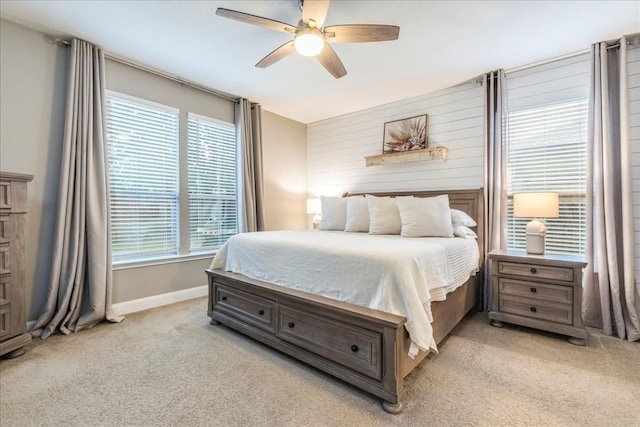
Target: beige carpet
169	367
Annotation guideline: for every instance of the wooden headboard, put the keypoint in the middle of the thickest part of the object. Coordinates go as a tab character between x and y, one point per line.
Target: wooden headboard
469	201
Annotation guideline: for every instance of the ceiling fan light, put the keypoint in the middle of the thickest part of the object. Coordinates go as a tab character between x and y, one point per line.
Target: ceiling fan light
309	43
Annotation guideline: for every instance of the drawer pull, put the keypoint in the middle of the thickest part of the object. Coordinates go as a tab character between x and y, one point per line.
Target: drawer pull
261	312
223	298
533	270
533	290
291	324
354	348
533	309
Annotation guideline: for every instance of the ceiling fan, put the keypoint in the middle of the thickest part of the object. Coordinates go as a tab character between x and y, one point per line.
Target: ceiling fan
310	38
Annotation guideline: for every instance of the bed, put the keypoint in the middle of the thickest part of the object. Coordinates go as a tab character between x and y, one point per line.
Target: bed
369	348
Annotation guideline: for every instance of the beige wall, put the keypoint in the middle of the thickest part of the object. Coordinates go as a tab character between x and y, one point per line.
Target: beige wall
285	172
141	84
32	91
141	282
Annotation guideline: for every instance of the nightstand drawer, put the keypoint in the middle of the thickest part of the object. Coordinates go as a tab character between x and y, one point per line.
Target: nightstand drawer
537	271
537	309
542	291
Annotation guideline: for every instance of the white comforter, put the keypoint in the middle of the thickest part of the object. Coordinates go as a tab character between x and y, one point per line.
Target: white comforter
389	273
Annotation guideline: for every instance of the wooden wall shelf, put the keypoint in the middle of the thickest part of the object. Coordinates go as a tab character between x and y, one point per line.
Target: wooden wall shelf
433	153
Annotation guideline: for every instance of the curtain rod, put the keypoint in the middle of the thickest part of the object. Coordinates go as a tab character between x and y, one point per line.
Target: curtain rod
633	41
133	64
477	80
548	61
121	60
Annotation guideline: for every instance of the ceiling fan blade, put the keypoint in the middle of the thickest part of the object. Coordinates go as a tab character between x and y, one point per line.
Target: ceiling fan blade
361	33
276	55
256	20
329	60
315	10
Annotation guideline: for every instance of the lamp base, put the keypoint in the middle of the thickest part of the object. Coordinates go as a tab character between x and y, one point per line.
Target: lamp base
536	232
535	244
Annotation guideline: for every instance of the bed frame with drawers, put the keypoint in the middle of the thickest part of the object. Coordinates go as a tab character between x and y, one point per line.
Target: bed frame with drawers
364	347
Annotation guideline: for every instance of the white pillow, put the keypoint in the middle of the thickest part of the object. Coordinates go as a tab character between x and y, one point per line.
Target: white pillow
459	217
334	213
425	216
357	214
464	232
384	217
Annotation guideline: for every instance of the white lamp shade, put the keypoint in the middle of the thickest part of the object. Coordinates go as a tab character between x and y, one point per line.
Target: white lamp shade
535	205
313	206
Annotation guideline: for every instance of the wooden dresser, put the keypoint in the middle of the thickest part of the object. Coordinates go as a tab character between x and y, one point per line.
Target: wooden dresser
538	291
13	316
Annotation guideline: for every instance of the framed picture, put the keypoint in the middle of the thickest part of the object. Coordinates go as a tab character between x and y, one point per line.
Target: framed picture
405	135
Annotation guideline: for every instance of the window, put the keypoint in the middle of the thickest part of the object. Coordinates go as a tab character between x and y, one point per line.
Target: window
212	183
547	151
145	170
142	141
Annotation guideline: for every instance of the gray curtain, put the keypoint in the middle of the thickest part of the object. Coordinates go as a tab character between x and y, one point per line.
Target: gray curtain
80	284
495	185
611	298
251	198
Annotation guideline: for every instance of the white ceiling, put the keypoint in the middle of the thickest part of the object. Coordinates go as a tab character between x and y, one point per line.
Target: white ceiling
441	43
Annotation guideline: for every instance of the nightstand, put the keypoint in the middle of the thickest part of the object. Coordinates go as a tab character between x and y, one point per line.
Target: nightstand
538	291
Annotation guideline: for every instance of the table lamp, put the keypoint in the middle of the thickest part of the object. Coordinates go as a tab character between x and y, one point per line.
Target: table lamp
314	208
535	205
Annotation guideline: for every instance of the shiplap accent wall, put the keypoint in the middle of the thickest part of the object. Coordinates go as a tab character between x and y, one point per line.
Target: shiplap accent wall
633	70
336	147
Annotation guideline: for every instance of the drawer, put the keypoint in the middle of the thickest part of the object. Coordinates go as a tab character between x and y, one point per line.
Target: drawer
5	284
537	309
252	309
4	228
354	347
564	274
542	291
4	258
5	196
5	320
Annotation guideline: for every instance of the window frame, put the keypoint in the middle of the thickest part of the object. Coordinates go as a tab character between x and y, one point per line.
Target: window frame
517	239
182	217
174	194
190	197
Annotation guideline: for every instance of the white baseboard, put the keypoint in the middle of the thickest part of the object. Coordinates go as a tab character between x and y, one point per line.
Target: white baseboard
122	308
154	301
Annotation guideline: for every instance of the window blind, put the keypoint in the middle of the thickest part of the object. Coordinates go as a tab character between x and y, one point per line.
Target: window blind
142	141
212	178
547	151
